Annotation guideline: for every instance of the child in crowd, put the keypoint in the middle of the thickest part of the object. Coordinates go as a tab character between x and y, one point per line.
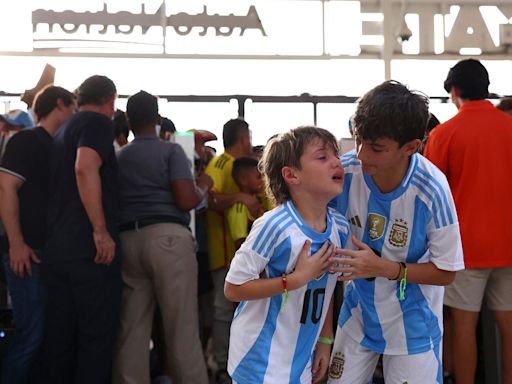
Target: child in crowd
286	293
406	232
248	178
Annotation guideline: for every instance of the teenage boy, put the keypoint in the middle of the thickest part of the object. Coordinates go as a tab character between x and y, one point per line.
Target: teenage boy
406	232
285	293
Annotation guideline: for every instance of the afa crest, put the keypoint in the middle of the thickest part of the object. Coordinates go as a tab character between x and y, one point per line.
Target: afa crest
398	234
337	365
376	226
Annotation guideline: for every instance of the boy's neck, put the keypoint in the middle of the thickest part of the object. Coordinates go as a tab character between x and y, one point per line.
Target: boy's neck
312	211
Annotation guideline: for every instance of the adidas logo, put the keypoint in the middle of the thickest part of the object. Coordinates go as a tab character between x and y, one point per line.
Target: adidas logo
355	221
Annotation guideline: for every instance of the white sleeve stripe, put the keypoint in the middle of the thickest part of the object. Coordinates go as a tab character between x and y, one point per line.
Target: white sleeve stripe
411	170
340	220
2	169
268	227
430	198
276	228
446	216
442	191
276	235
436	199
292	212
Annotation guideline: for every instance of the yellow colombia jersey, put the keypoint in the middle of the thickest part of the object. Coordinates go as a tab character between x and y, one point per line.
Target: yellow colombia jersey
240	221
221	247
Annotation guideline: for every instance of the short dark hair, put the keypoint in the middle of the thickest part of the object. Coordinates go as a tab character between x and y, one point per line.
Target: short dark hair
95	90
433	122
505	104
243	165
120	124
233	130
142	110
391	111
166	125
471	77
46	100
285	150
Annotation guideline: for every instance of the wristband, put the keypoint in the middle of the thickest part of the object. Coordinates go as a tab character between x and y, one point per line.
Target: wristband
325	340
403	282
285	290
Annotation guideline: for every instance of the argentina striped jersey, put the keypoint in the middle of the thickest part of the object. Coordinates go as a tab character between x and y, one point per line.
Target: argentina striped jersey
415	223
266	345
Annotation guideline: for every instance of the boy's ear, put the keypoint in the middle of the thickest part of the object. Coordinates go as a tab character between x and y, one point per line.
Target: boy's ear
412	147
290	175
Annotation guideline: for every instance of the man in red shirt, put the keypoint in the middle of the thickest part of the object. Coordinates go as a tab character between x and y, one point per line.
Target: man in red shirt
473	150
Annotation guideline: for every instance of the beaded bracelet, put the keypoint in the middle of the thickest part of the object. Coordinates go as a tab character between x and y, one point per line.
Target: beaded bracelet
403	282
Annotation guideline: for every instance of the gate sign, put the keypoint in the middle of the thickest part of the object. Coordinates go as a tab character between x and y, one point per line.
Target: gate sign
258	27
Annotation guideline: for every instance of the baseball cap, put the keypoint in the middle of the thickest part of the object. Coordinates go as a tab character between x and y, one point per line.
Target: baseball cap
203	134
471	77
18	117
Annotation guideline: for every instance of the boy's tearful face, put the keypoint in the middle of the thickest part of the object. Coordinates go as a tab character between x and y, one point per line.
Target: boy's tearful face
321	173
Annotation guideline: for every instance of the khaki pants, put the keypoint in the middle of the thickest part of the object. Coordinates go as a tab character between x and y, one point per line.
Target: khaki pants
159	266
222	318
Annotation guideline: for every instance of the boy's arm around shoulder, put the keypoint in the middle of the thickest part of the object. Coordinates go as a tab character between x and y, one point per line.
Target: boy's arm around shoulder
219	201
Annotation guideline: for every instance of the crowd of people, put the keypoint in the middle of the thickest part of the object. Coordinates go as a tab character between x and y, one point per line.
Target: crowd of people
109	284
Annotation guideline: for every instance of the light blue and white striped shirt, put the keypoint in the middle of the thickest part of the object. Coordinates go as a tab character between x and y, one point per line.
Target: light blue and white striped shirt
415	223
267	346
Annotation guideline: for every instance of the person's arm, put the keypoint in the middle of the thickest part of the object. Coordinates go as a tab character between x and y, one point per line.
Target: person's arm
323	349
188	194
87	167
20	254
364	263
306	269
239	242
219	202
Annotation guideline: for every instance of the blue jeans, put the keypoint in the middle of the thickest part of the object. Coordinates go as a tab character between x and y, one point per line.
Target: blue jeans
28	297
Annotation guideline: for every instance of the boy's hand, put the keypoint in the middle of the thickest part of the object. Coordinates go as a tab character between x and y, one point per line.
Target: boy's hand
362	263
309	267
251	202
321	361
